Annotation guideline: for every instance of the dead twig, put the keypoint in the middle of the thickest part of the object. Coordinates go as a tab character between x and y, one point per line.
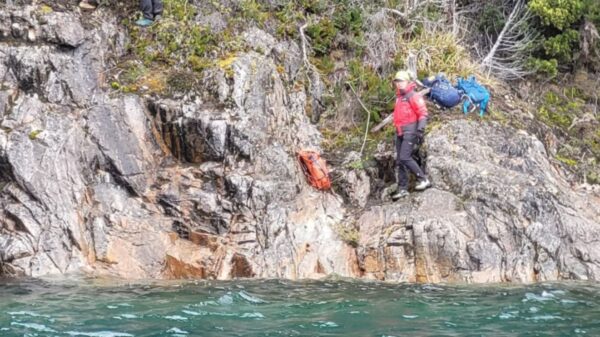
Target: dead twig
362	148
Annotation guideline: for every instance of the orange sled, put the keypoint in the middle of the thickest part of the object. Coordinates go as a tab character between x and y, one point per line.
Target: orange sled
315	169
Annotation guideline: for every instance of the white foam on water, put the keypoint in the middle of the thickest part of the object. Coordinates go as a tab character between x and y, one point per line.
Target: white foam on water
250	298
252	315
129	316
176	318
534	309
508	315
410	316
116	306
34	326
4	329
226	299
177	331
99	334
580	331
328	324
194	313
224	314
568	301
205	304
543	297
545	318
26	313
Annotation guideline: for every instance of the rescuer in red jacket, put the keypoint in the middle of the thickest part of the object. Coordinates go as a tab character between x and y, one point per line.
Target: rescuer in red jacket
410	119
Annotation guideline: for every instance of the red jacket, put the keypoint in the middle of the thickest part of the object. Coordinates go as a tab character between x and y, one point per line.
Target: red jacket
410	109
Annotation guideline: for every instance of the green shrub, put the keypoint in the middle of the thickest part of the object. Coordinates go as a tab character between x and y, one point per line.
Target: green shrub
376	91
252	10
492	19
546	67
322	35
557	13
561	46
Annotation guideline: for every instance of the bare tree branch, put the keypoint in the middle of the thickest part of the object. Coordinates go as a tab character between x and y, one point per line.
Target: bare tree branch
362	148
508	54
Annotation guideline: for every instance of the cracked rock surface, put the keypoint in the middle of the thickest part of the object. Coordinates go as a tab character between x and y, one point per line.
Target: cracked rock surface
209	186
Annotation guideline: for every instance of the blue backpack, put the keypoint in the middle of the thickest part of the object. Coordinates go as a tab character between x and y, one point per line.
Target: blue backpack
442	92
477	94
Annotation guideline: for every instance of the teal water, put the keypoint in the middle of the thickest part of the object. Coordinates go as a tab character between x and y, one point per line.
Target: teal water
281	308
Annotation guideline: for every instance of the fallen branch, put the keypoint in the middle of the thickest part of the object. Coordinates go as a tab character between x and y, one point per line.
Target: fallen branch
368	117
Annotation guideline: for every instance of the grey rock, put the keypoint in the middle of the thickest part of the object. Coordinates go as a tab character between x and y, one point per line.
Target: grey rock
260	41
208	186
503	215
214	21
63	29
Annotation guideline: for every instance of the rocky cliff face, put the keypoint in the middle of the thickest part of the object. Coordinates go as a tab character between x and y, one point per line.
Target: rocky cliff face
207	186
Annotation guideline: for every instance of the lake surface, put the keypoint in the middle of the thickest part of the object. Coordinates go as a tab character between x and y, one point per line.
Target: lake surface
109	308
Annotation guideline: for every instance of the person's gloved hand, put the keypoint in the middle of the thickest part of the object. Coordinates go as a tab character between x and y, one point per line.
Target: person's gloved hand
420	136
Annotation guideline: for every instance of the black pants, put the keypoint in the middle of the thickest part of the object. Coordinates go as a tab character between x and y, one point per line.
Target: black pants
151	8
405	145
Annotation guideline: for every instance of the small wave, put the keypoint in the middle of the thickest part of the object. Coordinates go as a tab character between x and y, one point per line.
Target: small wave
176	318
250	298
4	329
194	313
26	313
410	316
430	287
206	304
99	334
116	306
328	324
543	297
252	315
580	331
177	331
545	318
126	316
225	299
508	315
34	326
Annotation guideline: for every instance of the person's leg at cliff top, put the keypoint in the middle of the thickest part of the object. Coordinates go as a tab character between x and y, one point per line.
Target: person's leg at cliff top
402	170
88	5
152	11
410	119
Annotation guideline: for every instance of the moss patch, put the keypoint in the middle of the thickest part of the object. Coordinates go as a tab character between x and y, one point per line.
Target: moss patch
34	134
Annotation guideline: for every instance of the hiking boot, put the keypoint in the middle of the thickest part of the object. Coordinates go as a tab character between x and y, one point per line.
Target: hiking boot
423	184
157	17
402	193
86	5
144	22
